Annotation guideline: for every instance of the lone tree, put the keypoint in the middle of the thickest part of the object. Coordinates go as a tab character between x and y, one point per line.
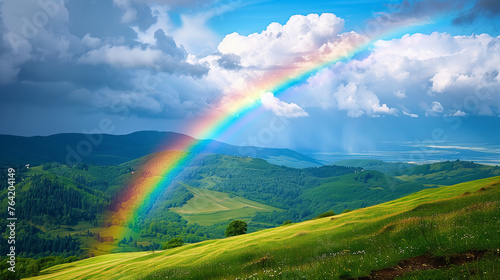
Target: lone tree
236	227
172	243
153	247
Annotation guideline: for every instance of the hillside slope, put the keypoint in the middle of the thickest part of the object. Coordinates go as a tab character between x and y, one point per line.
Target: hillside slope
447	172
430	222
208	207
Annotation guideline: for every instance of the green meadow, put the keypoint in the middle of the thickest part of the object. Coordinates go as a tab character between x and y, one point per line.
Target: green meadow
208	207
441	223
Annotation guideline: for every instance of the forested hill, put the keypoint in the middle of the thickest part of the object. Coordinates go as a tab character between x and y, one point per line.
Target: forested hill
374	164
106	149
303	193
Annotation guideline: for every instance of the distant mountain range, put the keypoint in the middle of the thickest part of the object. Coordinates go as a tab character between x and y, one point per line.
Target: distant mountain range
105	149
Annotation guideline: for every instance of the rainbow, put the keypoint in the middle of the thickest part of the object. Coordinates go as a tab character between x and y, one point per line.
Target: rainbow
139	195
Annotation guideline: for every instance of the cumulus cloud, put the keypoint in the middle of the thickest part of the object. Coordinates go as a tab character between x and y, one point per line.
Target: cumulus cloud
300	40
442	80
280	108
358	100
248	63
435	109
448	63
416	69
91	42
165	56
458	113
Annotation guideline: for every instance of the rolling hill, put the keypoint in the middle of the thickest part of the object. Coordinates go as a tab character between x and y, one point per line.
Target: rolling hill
208	207
446	172
106	149
67	211
420	235
82	200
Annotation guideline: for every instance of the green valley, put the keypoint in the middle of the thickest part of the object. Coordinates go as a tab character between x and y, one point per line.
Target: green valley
446	221
71	212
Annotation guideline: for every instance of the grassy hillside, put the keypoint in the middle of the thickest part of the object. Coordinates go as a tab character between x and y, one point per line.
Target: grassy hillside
357	190
208	207
446	172
439	173
444	222
78	202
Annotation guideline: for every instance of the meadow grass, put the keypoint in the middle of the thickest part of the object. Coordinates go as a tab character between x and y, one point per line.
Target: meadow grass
488	268
442	221
209	207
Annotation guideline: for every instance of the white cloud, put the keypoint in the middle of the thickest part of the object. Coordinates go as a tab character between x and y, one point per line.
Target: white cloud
252	63
358	101
280	108
458	113
130	13
410	114
400	94
407	112
435	109
91	42
442	80
301	40
413	70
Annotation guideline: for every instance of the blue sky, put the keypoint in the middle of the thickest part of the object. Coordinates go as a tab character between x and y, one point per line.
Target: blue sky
65	66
